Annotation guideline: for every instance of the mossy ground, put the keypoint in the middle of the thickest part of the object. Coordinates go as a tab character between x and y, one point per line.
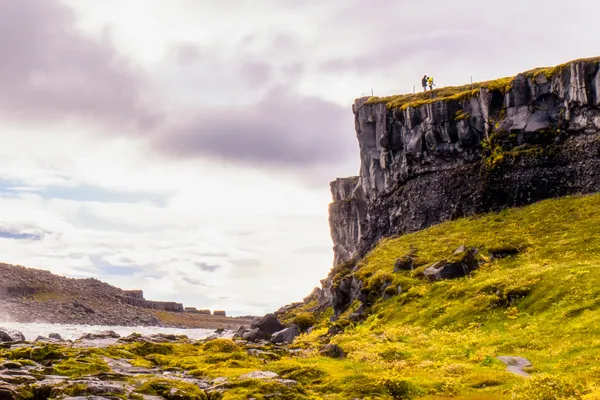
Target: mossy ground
433	340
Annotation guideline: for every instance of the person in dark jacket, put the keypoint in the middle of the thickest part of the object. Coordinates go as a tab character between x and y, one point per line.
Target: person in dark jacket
424	83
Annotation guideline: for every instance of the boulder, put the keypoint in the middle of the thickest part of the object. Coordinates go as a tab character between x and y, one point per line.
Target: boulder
101	335
7	335
55	336
286	335
460	264
254	335
260	375
332	350
240	332
268	324
516	365
405	263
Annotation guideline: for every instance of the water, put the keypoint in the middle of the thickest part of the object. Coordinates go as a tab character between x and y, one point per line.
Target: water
72	332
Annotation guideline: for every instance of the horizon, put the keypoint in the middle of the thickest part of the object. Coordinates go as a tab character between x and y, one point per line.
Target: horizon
160	148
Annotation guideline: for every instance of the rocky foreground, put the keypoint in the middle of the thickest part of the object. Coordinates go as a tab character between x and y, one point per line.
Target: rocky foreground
107	366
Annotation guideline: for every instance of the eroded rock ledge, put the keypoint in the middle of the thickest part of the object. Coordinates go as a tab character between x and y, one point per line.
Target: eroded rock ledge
455	152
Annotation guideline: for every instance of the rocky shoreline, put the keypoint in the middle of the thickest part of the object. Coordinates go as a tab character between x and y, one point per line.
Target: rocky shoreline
105	365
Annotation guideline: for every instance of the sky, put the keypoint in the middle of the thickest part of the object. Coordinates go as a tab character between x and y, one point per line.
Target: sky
186	147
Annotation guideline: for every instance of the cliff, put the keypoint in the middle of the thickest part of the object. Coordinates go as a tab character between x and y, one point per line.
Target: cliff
454	152
459	151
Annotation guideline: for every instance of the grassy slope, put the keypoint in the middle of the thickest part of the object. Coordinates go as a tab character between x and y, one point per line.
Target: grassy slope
443	336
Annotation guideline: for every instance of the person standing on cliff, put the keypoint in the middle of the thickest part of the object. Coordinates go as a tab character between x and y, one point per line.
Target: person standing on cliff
430	83
424	83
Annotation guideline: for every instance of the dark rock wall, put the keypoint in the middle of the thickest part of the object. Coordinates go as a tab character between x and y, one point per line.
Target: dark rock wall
452	158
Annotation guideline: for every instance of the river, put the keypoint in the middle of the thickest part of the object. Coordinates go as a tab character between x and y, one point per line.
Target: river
72	332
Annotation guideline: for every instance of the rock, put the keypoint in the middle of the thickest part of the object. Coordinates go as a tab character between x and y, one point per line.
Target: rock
7	394
12	365
516	365
17	379
219	331
260	375
502	251
240	332
100	335
286	335
334	330
268	324
254	335
359	314
55	336
220	313
405	263
461	264
153	321
421	165
7	335
332	350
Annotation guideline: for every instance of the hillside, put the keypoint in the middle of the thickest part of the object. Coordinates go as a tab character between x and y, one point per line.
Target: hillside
33	295
442	338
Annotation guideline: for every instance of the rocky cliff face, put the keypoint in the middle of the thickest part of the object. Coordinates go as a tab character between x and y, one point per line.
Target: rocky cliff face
455	152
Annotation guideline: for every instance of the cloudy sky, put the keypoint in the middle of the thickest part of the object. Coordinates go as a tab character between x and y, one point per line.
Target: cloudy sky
185	147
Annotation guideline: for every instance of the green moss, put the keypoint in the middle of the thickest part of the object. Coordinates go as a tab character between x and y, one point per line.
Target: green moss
80	366
221	346
172	389
305	320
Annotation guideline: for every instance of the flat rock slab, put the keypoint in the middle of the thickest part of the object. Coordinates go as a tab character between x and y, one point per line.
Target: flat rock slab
260	375
516	365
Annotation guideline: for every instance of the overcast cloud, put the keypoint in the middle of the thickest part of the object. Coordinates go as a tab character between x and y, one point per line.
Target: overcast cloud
185	147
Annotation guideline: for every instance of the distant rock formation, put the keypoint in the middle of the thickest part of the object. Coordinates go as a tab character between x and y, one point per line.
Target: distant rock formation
33	295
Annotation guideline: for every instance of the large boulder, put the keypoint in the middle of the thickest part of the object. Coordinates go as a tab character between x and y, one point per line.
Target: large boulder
268	324
286	335
462	262
254	335
7	335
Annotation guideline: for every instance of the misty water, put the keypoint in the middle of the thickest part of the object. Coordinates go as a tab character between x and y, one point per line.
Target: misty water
71	332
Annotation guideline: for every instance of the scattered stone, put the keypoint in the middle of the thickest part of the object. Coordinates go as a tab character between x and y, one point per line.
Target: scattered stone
405	263
268	355
502	251
260	375
268	324
286	335
7	335
101	335
17	379
254	335
334	330
12	365
459	265
516	365
332	350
